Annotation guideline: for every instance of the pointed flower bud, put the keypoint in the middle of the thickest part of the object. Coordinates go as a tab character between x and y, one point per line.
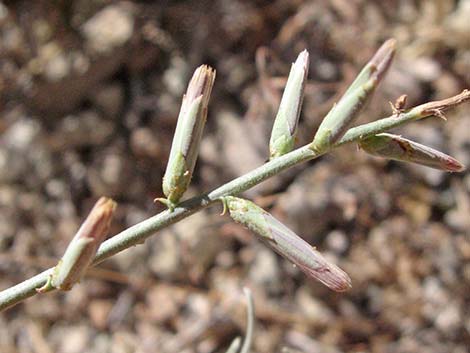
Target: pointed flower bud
286	243
400	149
285	125
83	247
336	122
188	133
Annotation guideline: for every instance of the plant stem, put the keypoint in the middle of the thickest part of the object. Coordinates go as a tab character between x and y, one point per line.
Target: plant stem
141	231
419	112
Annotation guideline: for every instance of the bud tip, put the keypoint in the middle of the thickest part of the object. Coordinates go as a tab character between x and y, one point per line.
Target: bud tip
302	59
453	165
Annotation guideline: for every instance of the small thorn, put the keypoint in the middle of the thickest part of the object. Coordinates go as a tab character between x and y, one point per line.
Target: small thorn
439	114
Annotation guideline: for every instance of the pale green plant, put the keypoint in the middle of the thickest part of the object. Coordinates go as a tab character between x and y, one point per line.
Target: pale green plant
333	133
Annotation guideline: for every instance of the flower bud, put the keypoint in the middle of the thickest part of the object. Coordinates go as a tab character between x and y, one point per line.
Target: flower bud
83	247
400	149
285	125
188	133
336	122
286	243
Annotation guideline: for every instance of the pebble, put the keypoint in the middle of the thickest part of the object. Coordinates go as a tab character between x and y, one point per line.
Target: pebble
109	28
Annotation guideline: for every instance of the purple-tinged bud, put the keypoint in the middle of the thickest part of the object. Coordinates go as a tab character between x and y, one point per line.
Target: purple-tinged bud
336	122
286	243
401	149
82	249
188	133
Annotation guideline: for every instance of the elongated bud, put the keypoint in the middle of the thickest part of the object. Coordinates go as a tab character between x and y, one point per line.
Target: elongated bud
400	149
82	249
188	133
286	243
285	125
336	122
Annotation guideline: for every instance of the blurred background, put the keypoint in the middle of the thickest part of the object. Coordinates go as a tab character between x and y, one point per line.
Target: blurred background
89	95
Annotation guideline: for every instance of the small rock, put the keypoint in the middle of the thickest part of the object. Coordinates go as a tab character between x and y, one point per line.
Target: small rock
99	310
144	142
264	271
109	99
72	339
449	318
164	302
114	174
22	134
337	241
165	261
87	128
176	76
51	62
111	27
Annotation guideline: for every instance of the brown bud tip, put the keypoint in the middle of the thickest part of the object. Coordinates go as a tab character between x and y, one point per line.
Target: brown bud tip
330	275
453	165
201	84
97	224
82	249
341	285
383	58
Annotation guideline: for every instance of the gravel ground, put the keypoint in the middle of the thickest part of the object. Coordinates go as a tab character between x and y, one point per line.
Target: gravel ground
89	95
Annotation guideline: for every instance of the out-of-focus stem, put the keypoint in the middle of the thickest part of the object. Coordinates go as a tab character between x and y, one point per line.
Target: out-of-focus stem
250	322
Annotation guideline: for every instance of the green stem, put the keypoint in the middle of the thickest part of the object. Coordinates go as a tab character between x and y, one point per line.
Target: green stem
378	126
141	231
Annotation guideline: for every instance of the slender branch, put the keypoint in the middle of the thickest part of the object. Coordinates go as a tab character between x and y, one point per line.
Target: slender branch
141	231
422	111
